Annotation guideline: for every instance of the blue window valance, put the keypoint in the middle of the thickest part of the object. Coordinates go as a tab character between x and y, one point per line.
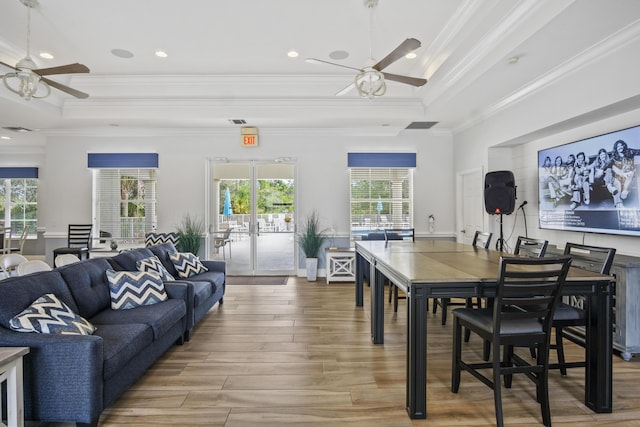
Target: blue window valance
122	160
382	160
18	173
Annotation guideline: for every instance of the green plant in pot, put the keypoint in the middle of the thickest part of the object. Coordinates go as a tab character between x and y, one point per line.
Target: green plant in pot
311	237
190	231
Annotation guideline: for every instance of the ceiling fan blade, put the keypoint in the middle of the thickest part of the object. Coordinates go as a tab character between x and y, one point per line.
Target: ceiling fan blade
9	66
413	81
320	61
405	47
63	69
66	89
346	90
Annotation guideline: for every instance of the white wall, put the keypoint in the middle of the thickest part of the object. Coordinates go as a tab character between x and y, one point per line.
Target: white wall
598	97
321	157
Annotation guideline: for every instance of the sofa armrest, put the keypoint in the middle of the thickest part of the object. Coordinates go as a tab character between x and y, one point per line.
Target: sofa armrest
215	265
177	290
62	375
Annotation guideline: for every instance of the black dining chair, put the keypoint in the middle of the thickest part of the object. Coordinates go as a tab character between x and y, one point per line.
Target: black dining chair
78	241
380	235
398	234
481	240
527	293
573	315
527	246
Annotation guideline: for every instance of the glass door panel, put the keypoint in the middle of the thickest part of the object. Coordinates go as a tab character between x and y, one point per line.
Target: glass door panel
255	200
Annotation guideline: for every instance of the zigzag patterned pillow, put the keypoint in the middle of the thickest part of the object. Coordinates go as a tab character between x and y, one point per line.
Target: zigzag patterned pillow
131	289
49	315
154	265
187	264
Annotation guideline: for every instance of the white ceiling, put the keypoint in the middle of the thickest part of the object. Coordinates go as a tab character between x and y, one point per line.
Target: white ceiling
228	60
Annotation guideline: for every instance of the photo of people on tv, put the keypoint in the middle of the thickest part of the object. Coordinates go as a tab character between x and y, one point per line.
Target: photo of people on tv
596	174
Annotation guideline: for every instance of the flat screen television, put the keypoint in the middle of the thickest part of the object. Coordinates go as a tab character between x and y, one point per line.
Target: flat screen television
591	185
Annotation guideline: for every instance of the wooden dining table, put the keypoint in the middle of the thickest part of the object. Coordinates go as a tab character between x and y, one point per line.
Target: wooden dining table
445	269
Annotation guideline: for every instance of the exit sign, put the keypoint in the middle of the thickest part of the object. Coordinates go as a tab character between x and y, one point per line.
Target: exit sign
249	137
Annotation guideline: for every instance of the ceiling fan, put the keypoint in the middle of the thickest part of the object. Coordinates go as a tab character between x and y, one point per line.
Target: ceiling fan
370	80
28	81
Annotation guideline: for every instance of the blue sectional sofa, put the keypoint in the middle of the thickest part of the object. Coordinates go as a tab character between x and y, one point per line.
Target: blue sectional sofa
205	289
73	378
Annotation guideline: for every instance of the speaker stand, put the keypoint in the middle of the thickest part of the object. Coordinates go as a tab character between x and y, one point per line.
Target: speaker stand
500	241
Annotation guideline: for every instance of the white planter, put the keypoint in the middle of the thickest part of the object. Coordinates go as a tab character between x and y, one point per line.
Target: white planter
312	269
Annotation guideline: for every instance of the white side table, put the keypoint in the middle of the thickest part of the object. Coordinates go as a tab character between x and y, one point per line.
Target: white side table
11	372
341	264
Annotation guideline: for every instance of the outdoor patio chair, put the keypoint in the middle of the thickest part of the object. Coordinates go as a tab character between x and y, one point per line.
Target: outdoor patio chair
221	239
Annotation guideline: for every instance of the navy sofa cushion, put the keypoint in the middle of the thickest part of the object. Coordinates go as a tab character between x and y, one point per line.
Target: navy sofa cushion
17	293
127	260
162	251
161	316
201	291
121	344
88	283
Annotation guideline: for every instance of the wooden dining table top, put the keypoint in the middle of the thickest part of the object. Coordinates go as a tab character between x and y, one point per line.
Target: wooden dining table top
441	261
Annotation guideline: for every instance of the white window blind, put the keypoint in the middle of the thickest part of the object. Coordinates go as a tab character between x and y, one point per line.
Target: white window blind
124	203
380	198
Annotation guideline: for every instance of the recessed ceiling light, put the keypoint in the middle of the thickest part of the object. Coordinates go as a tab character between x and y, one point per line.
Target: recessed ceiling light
161	54
411	55
513	60
292	53
339	54
46	55
5	137
121	53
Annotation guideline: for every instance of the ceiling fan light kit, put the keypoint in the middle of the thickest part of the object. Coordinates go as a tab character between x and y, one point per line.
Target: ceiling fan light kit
370	83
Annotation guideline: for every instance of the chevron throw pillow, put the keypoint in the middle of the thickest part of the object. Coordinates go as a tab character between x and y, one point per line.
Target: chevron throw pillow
49	315
187	264
131	289
154	265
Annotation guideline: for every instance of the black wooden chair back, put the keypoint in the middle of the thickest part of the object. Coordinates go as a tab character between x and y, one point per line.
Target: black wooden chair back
534	248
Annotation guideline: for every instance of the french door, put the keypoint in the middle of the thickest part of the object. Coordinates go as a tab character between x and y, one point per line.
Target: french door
256	200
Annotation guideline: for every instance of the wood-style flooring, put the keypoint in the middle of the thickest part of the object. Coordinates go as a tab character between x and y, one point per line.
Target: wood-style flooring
301	355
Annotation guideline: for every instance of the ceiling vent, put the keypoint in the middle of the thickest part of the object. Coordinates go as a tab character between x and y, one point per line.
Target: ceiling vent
238	121
17	129
421	125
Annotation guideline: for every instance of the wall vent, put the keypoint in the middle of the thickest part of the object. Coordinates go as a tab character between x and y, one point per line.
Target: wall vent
421	125
17	129
238	121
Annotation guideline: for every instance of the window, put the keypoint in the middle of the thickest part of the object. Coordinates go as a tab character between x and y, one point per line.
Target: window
380	198
19	204
124	203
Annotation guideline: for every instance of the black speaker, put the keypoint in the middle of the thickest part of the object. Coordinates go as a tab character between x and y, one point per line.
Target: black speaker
499	192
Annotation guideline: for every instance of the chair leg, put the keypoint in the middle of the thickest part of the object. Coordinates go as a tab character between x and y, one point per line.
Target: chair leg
436	301
390	289
456	355
445	303
560	351
395	299
497	387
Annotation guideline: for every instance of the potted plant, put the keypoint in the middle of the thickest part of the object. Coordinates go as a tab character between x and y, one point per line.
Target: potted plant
311	238
190	232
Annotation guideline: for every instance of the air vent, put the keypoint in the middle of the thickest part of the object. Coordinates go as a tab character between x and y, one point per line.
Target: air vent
238	121
421	125
17	129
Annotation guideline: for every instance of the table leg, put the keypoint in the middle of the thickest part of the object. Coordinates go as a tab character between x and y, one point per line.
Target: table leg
599	369
361	264
377	305
417	352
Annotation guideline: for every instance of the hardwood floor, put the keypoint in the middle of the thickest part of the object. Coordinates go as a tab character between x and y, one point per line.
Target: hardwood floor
301	355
